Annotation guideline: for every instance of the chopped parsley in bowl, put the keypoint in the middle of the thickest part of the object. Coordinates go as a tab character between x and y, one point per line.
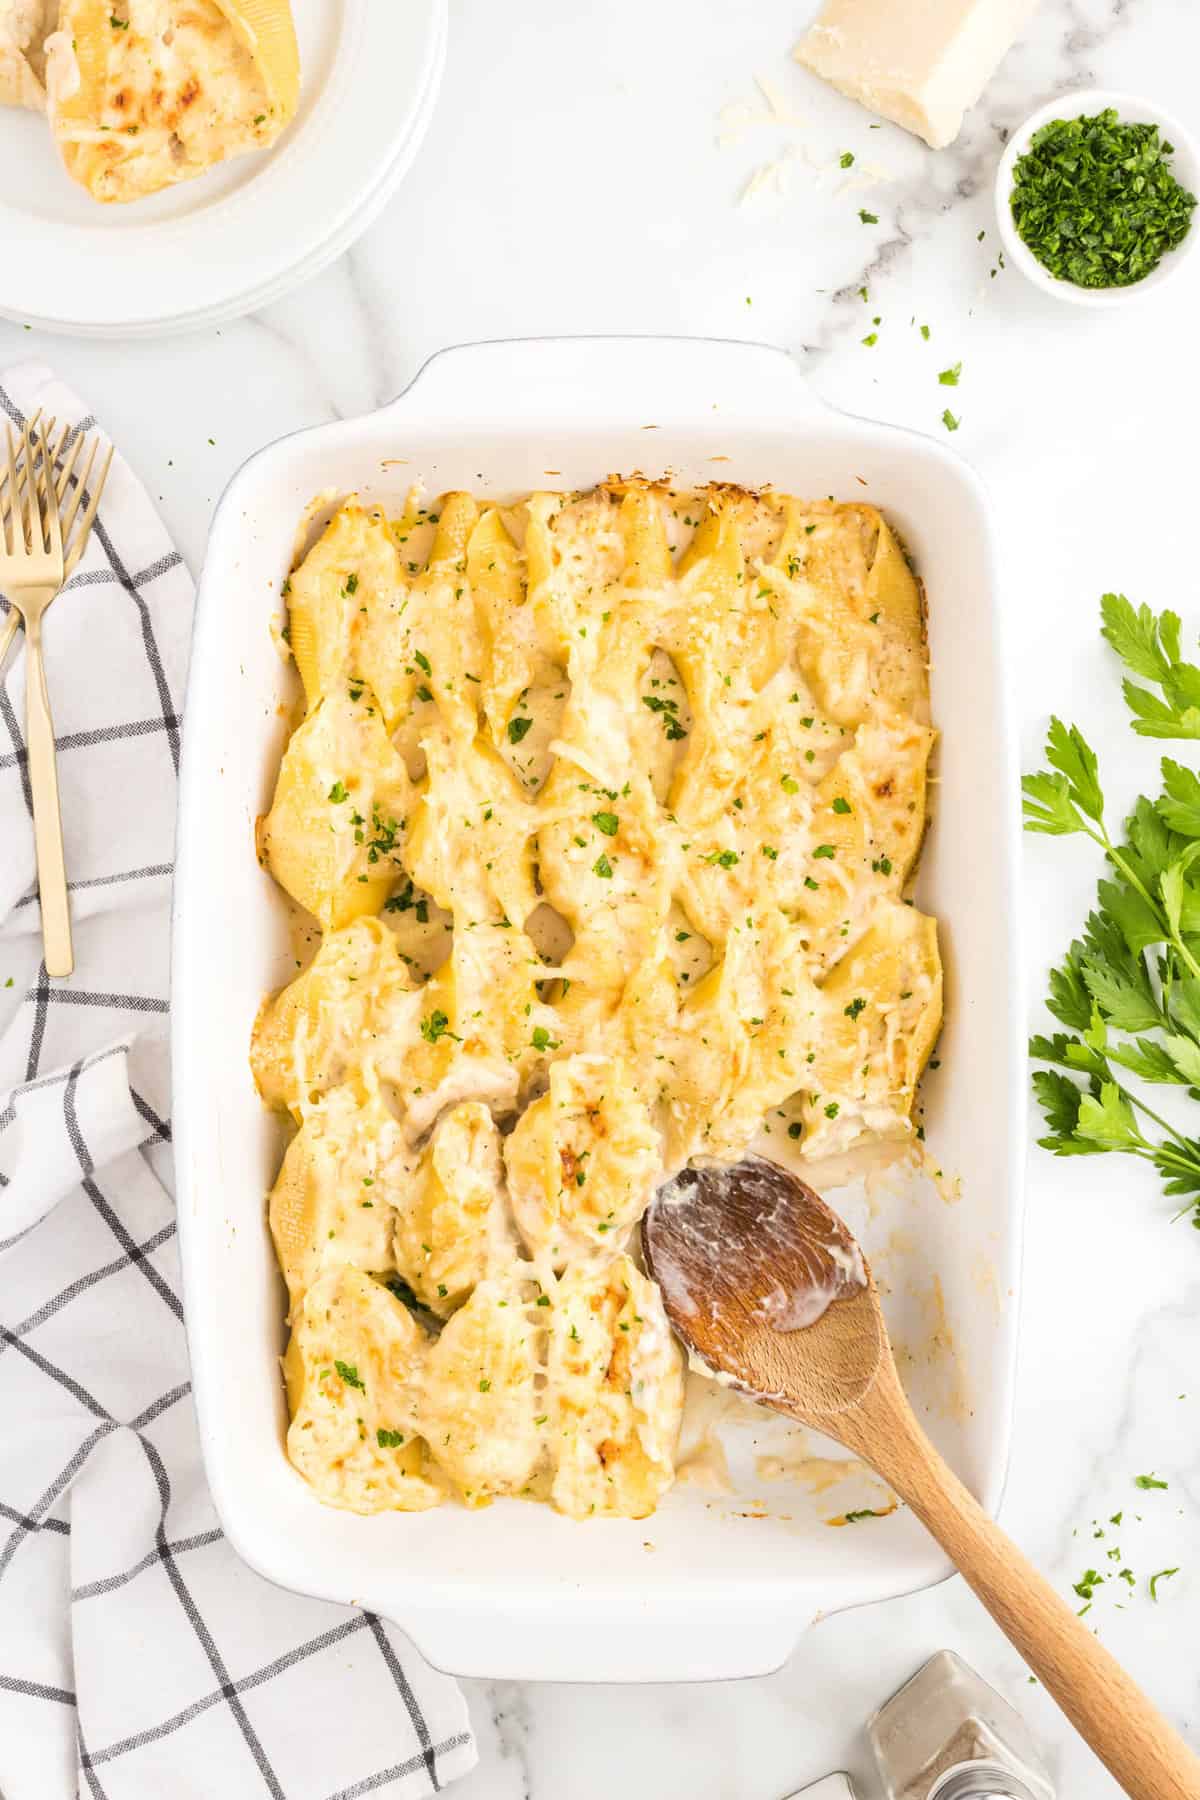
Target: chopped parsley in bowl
1097	202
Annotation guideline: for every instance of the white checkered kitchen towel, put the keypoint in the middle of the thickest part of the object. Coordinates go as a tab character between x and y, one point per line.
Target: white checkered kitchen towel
139	1659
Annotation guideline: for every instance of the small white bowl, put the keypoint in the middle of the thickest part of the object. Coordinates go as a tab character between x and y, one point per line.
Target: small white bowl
1131	109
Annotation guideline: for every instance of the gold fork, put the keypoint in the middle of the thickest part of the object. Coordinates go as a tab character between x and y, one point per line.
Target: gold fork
77	542
33	530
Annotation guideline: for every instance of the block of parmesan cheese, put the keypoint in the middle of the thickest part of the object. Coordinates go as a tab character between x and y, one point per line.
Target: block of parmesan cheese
920	63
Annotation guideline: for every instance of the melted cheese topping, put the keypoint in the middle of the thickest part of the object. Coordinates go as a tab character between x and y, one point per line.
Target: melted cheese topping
605	804
146	93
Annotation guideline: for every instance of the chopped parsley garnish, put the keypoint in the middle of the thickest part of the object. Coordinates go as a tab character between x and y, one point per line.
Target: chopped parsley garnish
352	588
606	822
422	662
337	793
840	805
724	859
485	1386
789	784
855	1007
825	850
832	1110
388	1440
541	1039
603	868
1096	202
668	710
867	1512
350	1375
518	729
436	1026
770	852
795	1130
406	901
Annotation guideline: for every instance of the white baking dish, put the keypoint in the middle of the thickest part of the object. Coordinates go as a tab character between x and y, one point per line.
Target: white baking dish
712	1585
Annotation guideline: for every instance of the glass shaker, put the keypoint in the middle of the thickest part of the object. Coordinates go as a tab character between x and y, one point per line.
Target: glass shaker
947	1735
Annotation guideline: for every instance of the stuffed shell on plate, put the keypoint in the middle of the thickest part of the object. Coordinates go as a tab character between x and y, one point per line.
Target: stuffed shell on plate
142	94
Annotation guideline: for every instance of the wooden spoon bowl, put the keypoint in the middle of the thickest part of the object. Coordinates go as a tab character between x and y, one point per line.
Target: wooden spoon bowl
764	1284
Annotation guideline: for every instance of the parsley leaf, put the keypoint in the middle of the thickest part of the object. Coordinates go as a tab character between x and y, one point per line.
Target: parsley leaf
1128	990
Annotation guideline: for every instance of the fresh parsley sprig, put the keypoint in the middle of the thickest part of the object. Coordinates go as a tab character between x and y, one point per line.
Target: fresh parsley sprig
1128	990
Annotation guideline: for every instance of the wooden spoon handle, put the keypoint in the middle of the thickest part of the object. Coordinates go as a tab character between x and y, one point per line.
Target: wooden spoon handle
1130	1736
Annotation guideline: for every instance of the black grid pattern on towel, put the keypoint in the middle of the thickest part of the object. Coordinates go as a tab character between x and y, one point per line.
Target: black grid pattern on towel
140	1264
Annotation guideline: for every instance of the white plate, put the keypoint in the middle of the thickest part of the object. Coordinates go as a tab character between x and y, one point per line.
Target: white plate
238	237
713	1585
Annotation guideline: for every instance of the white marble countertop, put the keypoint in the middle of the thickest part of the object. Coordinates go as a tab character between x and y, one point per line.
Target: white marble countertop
571	182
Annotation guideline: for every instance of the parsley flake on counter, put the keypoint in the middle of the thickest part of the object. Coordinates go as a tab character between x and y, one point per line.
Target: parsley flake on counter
949	420
1096	202
1086	1586
871	339
846	159
1146	1482
949	377
868	218
1163	1575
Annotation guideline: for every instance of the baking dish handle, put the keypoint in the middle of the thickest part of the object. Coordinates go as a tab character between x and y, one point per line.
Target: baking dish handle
649	380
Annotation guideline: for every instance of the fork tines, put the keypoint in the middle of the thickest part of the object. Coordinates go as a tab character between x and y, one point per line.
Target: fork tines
55	469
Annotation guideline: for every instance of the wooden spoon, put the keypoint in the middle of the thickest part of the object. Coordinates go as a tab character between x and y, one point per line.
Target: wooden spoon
766	1285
